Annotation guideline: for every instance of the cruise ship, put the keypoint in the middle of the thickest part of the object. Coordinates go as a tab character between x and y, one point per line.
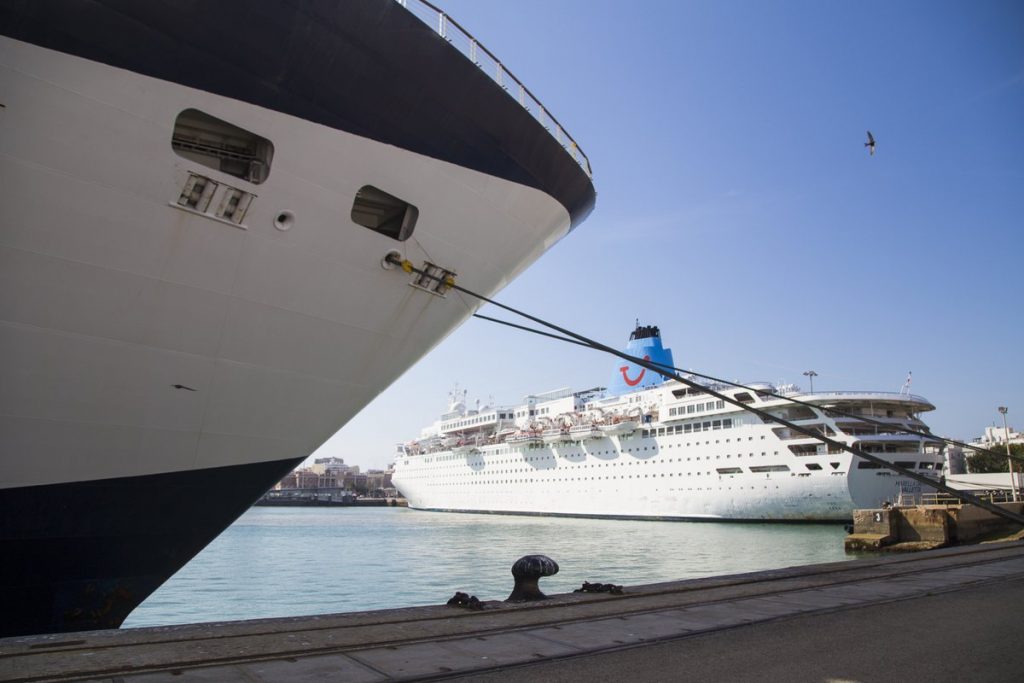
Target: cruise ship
650	447
201	205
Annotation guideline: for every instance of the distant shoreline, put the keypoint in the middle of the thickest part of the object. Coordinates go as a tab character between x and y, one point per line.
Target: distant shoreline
312	501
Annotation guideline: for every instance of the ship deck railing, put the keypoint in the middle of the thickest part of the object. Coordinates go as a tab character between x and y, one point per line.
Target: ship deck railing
866	395
463	40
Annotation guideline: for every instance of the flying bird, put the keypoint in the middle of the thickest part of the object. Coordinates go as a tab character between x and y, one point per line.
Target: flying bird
182	386
870	144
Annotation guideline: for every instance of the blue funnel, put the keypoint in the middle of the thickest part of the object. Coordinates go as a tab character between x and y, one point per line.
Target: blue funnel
644	342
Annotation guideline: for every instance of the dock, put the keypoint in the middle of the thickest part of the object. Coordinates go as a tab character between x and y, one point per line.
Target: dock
943	614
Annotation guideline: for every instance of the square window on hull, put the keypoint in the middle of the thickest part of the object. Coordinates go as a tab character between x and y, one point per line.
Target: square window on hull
222	146
384	213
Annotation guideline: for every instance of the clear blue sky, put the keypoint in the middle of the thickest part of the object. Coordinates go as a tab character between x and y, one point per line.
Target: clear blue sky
739	211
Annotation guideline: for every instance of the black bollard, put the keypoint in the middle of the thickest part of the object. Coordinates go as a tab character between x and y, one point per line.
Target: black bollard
527	572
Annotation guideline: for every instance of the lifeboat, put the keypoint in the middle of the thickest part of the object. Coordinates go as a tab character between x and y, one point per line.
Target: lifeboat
524	438
620	428
555	435
584	432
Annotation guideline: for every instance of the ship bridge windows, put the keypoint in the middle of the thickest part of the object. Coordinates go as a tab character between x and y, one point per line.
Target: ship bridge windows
384	213
222	146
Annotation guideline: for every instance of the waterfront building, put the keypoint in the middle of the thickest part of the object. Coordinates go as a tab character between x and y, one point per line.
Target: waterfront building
333	465
994	435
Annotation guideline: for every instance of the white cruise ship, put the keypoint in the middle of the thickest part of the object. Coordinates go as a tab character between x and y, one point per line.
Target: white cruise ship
198	199
652	448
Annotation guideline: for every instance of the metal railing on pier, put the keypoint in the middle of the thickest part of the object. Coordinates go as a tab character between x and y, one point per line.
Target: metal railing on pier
997	496
463	40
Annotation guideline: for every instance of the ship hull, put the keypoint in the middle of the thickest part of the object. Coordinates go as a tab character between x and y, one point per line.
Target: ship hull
162	368
86	553
658	478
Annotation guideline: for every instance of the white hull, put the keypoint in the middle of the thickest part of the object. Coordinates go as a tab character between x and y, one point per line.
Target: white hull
647	478
686	454
110	296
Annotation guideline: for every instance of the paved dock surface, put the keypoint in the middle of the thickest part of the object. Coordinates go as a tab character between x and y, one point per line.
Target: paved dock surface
949	614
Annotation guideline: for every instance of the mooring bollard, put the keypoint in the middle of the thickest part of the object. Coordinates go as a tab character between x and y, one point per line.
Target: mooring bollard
527	571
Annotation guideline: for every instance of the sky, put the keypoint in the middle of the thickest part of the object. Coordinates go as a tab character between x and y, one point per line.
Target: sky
739	210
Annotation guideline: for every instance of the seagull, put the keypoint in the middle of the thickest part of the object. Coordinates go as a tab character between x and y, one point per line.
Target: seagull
870	144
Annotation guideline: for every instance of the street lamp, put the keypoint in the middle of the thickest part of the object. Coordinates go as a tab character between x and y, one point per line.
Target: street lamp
1009	460
811	374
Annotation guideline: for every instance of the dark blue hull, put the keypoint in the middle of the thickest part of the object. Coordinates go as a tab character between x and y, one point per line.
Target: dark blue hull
83	555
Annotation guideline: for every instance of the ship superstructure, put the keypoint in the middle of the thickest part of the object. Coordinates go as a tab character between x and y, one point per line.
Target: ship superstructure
647	447
199	205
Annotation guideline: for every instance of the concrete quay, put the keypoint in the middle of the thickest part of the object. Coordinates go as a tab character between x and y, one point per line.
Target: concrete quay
929	526
938	615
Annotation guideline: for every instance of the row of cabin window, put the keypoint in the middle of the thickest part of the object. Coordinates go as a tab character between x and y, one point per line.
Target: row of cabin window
476	420
692	427
906	464
759	469
696	408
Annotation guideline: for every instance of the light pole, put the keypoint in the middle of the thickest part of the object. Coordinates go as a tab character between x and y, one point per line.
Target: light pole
811	374
1009	460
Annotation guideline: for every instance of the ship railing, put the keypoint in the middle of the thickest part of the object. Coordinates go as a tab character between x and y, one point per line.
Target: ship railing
867	395
873	435
463	40
906	499
995	496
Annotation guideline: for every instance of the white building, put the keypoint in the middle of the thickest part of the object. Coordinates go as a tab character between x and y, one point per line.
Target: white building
997	435
333	465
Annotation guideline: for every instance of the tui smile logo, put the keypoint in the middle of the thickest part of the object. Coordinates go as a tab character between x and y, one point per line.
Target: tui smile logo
633	382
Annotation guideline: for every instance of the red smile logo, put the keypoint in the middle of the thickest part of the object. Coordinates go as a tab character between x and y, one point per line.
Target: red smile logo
633	382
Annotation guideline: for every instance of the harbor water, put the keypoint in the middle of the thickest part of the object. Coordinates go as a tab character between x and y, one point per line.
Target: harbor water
275	562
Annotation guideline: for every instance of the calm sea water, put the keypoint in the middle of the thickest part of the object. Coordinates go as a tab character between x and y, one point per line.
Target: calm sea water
293	561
